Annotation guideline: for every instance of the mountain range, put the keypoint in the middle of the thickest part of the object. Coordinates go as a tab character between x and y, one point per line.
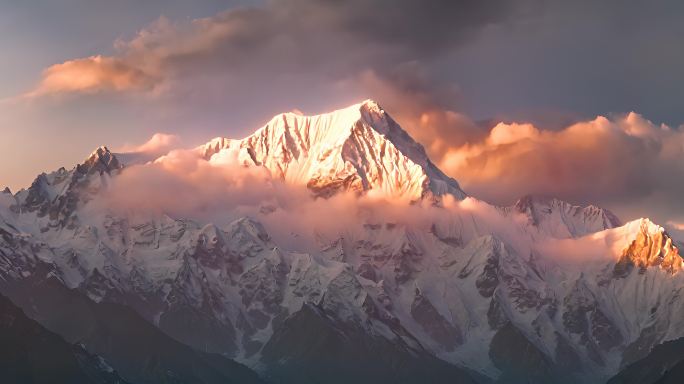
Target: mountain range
384	271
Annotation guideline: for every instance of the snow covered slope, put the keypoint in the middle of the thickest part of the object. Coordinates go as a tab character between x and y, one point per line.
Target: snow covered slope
434	280
560	219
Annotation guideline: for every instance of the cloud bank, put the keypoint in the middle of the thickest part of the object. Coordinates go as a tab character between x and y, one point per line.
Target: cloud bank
183	184
625	162
338	39
600	158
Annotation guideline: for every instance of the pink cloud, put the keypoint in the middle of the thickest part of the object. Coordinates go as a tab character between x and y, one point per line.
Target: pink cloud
91	75
160	143
600	159
678	225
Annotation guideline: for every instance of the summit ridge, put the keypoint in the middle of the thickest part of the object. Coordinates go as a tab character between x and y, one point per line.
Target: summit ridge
359	148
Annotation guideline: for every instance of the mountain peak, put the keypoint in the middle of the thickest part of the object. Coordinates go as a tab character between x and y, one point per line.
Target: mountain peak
358	148
100	160
652	246
368	104
341	126
99	152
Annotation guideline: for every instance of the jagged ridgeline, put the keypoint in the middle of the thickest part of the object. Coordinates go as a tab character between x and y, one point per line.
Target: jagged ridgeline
458	290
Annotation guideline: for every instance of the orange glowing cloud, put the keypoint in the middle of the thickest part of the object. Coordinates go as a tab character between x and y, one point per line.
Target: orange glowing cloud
594	159
418	108
91	75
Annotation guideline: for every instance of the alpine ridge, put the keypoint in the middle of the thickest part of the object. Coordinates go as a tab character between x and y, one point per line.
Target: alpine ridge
562	219
432	287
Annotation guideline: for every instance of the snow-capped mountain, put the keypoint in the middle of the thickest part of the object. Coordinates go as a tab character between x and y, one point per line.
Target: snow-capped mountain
358	148
437	286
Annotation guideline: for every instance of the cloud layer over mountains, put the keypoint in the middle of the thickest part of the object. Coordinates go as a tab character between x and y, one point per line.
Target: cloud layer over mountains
220	190
403	53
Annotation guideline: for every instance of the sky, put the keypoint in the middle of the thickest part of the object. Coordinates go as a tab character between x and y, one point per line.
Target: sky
582	100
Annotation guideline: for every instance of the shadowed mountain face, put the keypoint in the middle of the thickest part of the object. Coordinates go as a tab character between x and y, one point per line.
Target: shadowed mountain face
663	365
310	344
427	285
136	348
30	354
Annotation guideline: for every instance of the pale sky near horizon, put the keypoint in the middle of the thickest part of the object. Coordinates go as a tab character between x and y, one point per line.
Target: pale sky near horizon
77	74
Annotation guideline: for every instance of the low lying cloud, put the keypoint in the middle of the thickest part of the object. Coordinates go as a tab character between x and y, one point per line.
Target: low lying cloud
182	184
195	185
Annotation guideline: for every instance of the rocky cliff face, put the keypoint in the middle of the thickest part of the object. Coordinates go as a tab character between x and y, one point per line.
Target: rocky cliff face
652	247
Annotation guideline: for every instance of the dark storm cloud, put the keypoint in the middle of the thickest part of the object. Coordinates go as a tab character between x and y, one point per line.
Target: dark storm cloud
579	57
422	27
